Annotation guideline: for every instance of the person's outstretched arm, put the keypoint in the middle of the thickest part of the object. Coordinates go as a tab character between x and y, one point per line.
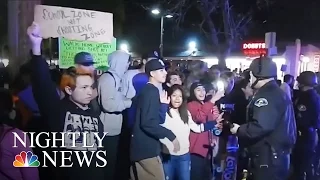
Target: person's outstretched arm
44	90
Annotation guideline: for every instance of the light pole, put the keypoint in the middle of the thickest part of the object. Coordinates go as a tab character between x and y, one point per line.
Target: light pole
161	37
157	12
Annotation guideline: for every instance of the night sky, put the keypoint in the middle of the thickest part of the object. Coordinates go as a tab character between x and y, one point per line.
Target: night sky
291	19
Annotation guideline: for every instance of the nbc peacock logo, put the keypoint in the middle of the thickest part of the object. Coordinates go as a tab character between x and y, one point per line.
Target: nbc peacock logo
26	159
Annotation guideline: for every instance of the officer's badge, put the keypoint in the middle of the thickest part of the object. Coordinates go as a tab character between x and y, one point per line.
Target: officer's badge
261	102
302	108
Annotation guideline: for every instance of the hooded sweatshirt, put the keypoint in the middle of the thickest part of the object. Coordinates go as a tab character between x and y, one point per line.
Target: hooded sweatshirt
111	98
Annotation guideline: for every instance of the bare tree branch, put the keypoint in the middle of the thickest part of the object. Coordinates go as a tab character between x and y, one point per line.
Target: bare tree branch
265	3
223	34
145	7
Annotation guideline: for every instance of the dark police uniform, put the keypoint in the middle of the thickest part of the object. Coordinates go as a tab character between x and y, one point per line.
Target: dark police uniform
270	129
307	113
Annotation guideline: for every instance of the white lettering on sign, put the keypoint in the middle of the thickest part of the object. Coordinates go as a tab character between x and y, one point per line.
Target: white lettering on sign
74	24
316	64
254	46
99	72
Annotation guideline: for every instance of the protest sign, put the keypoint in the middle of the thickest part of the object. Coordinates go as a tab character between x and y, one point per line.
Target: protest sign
74	24
69	48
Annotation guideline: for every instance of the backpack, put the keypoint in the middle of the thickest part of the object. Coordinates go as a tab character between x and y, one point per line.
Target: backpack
99	97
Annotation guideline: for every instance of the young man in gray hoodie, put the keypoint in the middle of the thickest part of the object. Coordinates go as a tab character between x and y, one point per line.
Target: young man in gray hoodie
112	103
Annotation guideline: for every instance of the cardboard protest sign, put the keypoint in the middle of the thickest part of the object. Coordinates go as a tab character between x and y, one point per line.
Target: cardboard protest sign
74	24
69	48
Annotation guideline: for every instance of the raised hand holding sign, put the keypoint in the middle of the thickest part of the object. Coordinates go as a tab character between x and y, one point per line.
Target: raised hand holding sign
35	38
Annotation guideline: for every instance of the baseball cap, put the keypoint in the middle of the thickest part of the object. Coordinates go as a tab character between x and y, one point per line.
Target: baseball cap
153	65
195	85
151	55
84	58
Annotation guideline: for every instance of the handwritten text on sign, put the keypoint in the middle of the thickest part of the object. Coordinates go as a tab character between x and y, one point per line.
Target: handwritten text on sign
74	24
69	48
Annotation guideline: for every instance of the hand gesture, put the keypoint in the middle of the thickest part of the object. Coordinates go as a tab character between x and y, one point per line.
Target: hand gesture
33	32
219	121
176	145
164	99
234	128
218	95
220	118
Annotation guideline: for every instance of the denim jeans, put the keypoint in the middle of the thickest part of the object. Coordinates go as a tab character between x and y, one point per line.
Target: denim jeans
176	167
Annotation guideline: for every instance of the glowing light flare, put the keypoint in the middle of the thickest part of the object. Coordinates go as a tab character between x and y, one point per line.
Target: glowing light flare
155	11
210	61
220	85
192	46
5	62
304	59
124	47
279	60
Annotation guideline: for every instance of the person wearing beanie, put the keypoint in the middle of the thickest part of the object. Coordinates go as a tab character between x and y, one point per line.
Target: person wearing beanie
202	110
147	131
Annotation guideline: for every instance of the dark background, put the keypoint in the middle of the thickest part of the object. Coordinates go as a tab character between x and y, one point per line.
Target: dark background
135	25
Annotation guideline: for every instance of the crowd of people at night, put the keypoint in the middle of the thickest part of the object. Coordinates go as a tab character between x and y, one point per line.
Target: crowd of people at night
163	122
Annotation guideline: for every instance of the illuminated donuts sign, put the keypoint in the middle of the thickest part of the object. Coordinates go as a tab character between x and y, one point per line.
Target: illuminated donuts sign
254	49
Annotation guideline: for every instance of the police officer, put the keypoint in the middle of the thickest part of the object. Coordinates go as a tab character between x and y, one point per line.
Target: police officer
270	127
307	111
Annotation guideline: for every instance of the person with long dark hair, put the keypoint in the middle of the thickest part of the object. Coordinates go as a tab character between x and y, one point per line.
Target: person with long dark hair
7	149
179	121
202	111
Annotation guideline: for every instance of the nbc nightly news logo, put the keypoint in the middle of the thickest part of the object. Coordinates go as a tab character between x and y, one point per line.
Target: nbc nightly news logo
84	152
26	159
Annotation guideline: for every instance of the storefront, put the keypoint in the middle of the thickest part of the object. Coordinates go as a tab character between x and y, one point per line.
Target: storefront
302	58
234	62
249	52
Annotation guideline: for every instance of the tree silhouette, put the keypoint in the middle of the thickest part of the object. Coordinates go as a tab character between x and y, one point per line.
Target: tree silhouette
224	22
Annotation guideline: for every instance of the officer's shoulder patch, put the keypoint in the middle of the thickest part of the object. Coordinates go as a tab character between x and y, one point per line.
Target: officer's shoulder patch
302	107
261	102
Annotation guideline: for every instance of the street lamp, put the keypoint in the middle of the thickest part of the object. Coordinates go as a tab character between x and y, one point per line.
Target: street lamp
157	12
124	47
192	46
